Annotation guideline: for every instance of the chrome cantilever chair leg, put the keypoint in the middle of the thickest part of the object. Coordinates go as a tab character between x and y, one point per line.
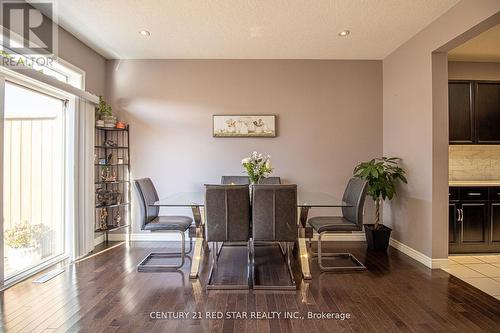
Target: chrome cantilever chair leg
289	249
358	265
250	264
215	260
145	267
292	286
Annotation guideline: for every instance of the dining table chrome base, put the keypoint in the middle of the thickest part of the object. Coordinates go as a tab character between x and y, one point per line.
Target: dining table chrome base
304	259
199	242
195	263
304	233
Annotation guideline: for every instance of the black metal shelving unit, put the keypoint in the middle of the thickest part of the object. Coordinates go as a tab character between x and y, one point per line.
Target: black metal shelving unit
114	142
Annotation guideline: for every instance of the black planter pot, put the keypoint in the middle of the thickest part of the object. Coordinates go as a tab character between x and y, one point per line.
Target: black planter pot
377	239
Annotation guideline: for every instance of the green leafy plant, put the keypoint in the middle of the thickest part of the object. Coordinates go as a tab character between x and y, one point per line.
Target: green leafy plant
257	166
381	175
103	109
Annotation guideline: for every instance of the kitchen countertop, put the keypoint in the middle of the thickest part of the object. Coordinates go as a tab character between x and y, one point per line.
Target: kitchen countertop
474	182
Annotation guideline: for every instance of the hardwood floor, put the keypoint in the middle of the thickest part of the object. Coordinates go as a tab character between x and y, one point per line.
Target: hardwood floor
104	293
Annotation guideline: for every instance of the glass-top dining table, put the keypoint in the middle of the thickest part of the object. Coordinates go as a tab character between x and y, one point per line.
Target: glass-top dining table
305	201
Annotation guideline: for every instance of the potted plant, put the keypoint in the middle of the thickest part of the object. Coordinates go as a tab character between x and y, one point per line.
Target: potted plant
21	245
381	175
257	166
104	114
43	236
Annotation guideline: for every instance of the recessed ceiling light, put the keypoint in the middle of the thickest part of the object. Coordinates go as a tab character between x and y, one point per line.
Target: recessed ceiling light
145	33
344	33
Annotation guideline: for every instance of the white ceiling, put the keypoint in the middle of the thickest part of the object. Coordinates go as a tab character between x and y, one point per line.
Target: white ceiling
484	47
247	29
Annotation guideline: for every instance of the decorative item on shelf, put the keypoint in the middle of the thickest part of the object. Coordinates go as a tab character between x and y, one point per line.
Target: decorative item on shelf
120	160
103	110
257	166
107	175
381	175
117	219
103	219
108	197
102	161
110	144
121	125
118	197
109	121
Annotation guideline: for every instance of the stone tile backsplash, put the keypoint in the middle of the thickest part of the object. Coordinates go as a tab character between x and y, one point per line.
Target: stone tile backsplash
474	162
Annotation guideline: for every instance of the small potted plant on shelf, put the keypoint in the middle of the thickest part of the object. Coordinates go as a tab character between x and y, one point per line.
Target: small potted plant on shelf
257	166
104	114
381	175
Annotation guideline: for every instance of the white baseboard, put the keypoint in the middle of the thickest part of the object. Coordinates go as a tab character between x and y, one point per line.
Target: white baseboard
344	237
99	239
164	236
146	237
340	237
440	263
418	256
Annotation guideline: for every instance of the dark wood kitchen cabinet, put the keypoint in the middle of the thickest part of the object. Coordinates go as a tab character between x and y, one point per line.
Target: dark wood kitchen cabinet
474	219
495	215
461	119
452	223
495	222
474	112
488	112
474	223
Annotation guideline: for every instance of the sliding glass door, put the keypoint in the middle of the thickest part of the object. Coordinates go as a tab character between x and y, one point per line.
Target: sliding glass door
34	166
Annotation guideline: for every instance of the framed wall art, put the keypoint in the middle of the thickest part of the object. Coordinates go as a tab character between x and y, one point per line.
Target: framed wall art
234	126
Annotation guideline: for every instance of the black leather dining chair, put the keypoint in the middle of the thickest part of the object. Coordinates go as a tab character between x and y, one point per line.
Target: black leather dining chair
151	221
227	219
235	180
351	220
274	219
244	180
270	180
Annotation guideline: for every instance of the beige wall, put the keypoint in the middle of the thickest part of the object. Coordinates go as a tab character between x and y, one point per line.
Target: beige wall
72	50
329	118
415	125
80	55
461	70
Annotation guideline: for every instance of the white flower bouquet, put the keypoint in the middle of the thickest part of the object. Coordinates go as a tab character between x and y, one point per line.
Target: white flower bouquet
257	166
